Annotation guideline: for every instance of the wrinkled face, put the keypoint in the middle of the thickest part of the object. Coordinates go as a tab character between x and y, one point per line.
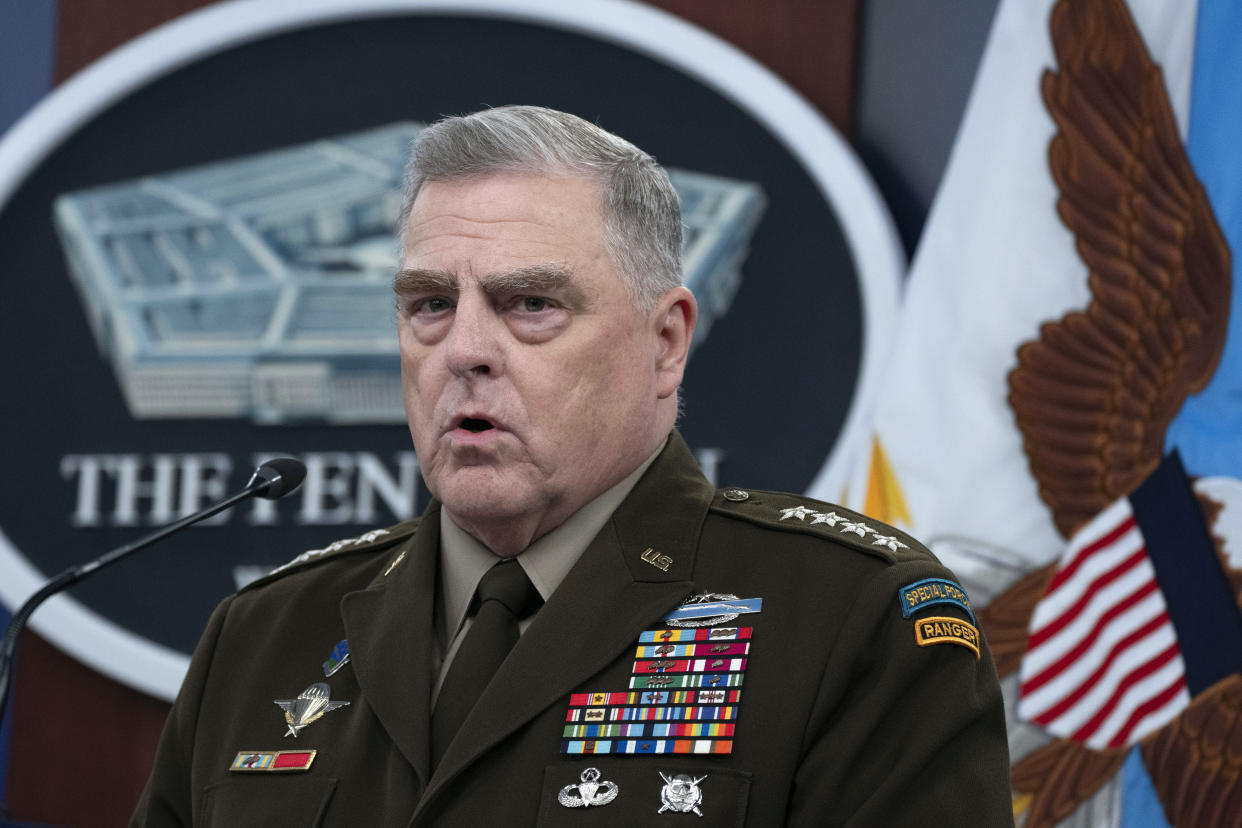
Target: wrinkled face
529	376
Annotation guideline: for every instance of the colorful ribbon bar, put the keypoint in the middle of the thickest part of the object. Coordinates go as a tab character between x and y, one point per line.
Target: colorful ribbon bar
649	714
695	634
654	731
697	665
702	649
647	746
689	680
650	696
273	760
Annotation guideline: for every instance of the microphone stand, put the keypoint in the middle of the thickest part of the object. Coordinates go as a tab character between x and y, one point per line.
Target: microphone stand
271	480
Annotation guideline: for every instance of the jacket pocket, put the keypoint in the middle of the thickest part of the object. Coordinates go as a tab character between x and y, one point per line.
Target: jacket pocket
641	791
265	799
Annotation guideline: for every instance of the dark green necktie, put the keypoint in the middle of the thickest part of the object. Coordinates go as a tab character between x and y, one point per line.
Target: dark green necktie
504	596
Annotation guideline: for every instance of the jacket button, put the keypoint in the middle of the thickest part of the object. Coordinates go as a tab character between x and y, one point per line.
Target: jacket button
736	495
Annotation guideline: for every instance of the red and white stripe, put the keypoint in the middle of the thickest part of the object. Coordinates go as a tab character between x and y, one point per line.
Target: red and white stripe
1102	664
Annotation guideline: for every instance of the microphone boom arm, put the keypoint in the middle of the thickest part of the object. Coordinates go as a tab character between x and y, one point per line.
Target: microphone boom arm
271	480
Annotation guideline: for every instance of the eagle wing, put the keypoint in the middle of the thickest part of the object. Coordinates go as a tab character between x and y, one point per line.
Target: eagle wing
1056	778
1006	621
1195	761
1094	395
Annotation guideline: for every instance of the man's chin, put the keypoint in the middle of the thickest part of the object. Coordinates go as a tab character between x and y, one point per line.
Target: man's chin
484	498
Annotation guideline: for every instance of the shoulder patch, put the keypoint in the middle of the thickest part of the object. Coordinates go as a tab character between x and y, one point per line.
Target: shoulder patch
930	592
942	629
824	519
374	539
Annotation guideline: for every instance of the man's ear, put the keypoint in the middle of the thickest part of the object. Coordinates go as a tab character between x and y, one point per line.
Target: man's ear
673	317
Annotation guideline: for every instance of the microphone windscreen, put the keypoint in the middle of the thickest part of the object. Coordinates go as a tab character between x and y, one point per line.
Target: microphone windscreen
281	476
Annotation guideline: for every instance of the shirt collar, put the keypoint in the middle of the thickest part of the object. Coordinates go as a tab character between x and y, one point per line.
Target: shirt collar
547	561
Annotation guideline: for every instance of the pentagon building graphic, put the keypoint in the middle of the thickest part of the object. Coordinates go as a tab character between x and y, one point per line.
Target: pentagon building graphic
260	286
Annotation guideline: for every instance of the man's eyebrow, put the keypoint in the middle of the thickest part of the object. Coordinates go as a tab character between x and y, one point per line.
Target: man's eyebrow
537	279
423	281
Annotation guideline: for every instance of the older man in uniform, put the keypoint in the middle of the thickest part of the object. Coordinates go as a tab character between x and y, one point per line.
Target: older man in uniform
579	630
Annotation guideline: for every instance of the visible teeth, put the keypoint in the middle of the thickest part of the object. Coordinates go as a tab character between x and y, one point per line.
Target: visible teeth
472	424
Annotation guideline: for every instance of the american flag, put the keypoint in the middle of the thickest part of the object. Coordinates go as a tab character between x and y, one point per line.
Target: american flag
1103	666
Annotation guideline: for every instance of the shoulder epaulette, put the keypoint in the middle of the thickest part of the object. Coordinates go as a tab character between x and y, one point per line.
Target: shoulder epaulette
372	541
795	513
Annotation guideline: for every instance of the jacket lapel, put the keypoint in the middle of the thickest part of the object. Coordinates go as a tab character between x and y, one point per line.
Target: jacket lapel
608	598
389	626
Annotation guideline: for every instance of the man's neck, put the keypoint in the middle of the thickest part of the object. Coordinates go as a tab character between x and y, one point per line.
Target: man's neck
510	538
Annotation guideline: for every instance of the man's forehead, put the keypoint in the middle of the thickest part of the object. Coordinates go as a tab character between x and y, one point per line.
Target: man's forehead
508	217
491	190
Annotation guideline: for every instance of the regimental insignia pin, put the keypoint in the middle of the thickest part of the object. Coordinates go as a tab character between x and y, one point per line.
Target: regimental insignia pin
248	761
681	794
310	705
589	791
394	563
337	659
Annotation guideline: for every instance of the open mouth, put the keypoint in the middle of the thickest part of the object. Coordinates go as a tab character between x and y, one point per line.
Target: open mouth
475	425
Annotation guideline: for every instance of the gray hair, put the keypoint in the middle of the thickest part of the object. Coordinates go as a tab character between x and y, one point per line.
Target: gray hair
641	215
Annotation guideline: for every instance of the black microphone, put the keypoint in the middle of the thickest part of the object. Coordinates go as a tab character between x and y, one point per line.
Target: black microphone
279	477
275	478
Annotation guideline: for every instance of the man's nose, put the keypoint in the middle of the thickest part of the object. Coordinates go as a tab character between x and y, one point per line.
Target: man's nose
473	345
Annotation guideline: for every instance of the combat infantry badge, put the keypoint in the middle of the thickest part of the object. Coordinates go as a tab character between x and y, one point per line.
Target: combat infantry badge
310	705
589	791
707	609
681	794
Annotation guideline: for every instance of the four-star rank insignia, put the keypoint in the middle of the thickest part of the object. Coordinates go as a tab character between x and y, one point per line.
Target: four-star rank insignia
310	705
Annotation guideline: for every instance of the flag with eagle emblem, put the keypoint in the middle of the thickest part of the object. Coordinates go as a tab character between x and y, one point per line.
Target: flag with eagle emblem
1070	336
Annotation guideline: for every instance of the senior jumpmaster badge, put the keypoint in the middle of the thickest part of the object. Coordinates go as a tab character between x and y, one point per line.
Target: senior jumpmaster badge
310	705
589	791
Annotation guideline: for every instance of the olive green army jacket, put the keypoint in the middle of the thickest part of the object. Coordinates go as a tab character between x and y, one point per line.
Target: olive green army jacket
857	694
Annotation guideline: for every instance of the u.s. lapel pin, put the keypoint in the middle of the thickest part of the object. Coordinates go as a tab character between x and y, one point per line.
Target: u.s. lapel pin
660	562
310	705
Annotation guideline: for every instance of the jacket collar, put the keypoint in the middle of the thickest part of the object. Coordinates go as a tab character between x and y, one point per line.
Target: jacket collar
389	626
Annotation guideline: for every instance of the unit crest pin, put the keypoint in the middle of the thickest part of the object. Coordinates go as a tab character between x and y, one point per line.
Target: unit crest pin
589	791
681	794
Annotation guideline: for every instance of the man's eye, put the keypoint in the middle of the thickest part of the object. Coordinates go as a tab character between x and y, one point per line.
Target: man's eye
534	304
435	304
